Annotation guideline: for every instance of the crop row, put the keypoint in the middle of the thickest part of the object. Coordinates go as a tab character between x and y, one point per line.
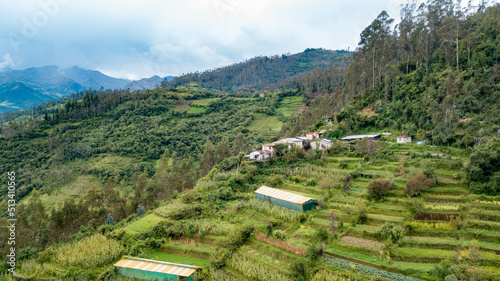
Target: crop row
442	207
367	269
90	252
430	225
275	211
255	270
280	244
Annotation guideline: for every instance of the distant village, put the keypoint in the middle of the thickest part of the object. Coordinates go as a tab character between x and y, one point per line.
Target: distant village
315	140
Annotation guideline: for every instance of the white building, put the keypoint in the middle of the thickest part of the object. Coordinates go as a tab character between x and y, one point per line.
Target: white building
259	155
404	139
321	144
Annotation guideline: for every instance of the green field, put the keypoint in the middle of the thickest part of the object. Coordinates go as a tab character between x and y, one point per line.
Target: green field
162	256
144	224
289	105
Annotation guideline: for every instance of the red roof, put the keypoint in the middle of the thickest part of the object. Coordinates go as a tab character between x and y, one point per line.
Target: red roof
404	137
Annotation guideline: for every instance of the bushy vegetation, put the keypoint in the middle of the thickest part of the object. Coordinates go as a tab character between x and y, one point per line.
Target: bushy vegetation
91	252
378	189
483	171
418	184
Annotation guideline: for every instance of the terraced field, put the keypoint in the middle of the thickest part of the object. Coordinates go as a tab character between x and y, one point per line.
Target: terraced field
452	226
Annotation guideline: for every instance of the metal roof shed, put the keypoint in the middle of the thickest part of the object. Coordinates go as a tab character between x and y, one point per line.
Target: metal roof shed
155	270
285	199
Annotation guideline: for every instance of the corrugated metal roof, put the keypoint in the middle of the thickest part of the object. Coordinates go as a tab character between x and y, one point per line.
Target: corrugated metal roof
282	195
158	266
360	137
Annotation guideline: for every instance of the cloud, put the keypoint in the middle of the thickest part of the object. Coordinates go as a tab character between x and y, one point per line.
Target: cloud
7	62
133	38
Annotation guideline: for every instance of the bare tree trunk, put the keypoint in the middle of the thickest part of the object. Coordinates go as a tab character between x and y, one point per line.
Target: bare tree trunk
458	28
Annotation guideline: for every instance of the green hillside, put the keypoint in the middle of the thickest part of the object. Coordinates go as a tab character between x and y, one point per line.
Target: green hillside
261	72
160	174
350	236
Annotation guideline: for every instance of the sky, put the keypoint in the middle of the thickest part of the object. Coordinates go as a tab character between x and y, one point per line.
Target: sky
135	39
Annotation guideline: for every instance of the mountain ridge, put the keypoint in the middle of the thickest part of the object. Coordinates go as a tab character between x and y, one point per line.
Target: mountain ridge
51	82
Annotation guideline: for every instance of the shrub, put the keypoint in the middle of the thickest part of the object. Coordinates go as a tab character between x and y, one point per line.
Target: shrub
276	181
109	219
334	225
141	210
297	179
378	189
299	269
311	182
391	233
343	164
326	184
415	205
429	169
367	147
250	169
418	184
360	213
314	251
321	234
279	234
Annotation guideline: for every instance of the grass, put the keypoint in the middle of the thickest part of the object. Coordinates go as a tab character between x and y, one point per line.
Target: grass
74	189
385	218
264	123
162	256
194	109
424	253
144	224
289	105
205	102
182	108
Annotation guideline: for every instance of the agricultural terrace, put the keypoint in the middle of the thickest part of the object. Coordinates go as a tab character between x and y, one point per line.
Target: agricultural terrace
354	234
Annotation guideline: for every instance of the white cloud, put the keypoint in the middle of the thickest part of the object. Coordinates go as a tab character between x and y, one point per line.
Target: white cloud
132	38
7	62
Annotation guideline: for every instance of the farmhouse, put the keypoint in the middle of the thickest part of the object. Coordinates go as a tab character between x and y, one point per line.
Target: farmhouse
155	270
285	199
322	144
314	135
298	141
357	137
259	155
404	139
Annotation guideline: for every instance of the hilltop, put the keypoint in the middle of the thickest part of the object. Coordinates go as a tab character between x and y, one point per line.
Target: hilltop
262	72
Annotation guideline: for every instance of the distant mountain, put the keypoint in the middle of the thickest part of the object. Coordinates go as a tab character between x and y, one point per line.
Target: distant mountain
45	79
147	83
93	79
261	72
20	89
17	95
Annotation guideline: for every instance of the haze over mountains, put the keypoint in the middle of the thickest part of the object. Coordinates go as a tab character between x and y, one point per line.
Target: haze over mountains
20	89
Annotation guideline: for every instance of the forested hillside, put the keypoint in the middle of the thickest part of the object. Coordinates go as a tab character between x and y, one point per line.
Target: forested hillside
261	72
435	76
